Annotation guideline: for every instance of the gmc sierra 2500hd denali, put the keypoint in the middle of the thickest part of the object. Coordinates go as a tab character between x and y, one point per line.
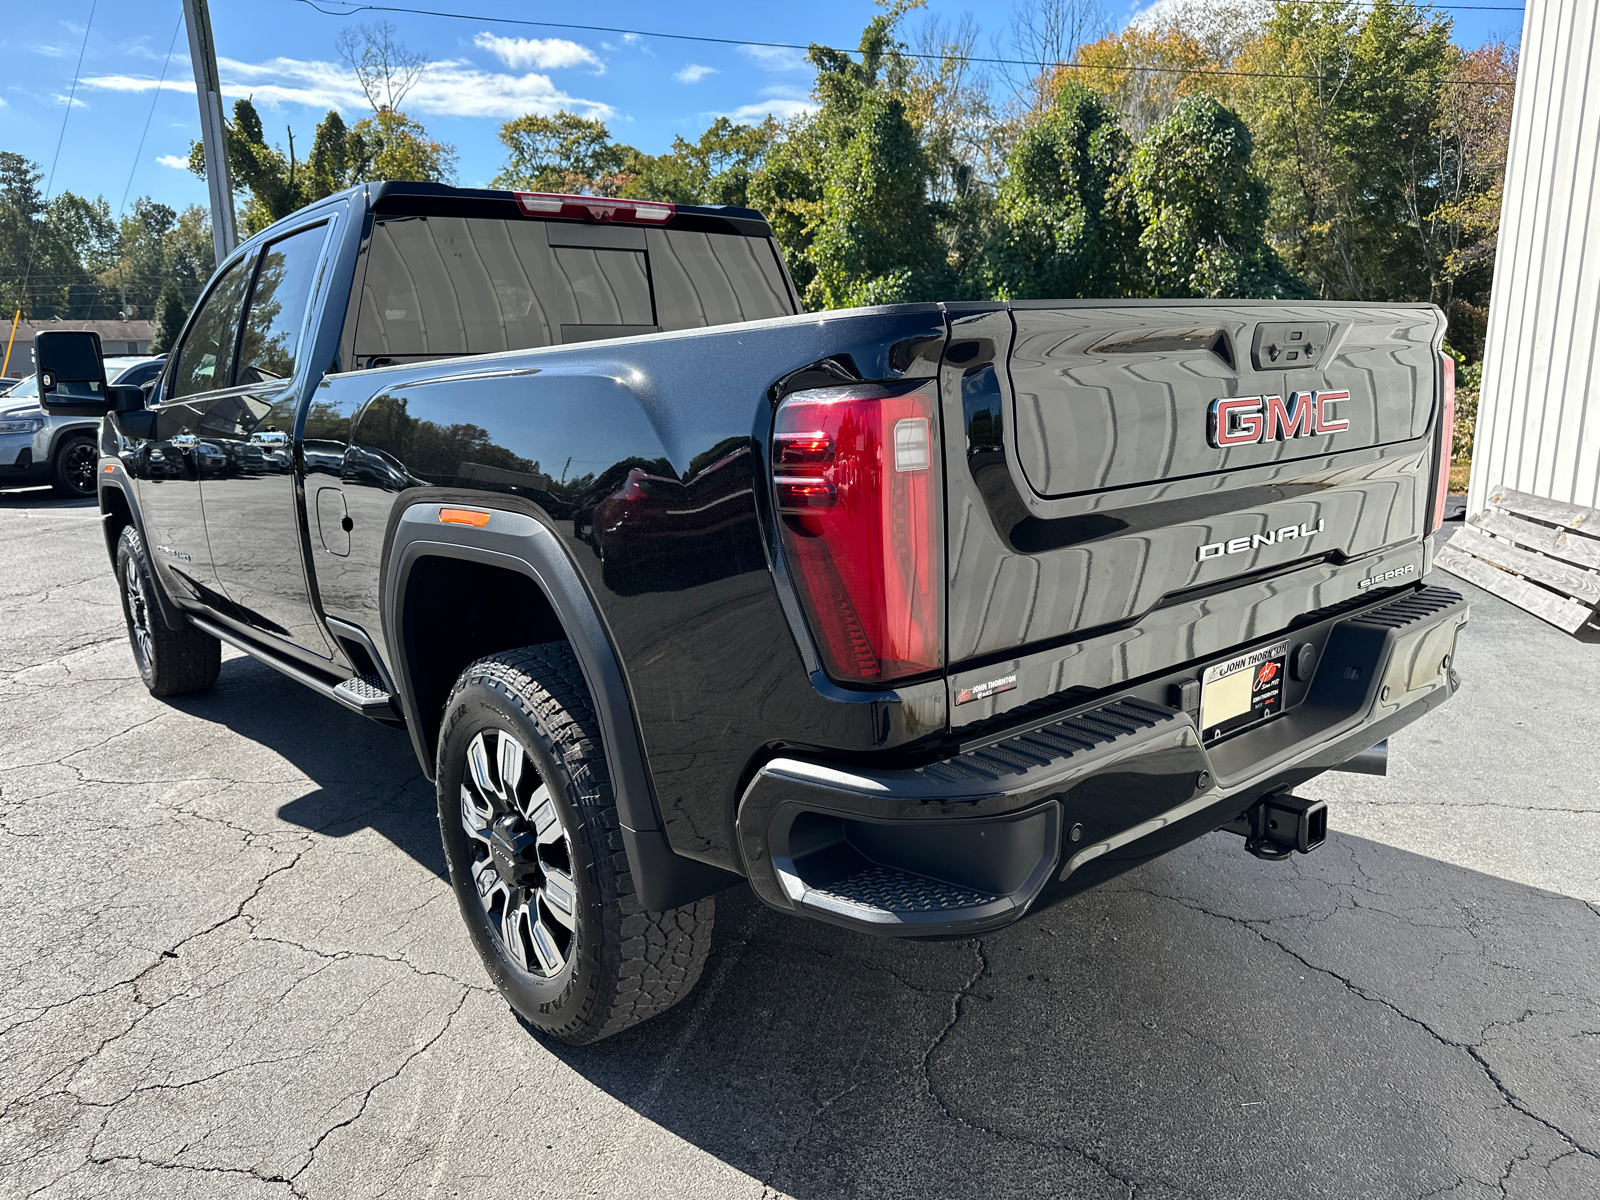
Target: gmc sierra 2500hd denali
919	618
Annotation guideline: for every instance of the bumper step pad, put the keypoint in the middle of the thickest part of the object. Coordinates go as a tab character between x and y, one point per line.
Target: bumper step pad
889	890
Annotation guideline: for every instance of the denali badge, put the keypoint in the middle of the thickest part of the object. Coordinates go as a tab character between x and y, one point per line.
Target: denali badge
1243	545
1246	420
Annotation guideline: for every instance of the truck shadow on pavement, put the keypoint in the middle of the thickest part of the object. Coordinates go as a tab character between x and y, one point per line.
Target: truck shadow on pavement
366	774
1359	1022
1362	1022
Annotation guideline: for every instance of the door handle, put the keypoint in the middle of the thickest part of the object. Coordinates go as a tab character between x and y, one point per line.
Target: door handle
184	441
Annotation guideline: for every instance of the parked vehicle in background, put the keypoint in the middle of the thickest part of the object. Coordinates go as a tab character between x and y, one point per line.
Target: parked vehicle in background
37	448
919	618
8	385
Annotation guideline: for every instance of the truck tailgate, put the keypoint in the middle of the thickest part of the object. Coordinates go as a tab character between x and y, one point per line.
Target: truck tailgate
1107	516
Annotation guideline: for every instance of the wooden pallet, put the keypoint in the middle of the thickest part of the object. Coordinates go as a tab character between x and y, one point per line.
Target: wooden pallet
1541	555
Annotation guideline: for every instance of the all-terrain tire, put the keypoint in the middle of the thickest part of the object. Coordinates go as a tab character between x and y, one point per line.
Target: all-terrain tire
170	661
73	467
623	964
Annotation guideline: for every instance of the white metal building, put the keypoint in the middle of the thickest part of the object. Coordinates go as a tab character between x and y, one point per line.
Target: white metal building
1539	412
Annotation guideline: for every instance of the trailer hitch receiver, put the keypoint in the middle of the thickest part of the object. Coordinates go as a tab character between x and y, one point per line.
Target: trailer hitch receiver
1279	825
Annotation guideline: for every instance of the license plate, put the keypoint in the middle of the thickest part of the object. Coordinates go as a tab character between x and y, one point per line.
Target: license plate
1242	691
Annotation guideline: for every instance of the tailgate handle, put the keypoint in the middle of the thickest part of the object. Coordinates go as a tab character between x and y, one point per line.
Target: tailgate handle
1288	345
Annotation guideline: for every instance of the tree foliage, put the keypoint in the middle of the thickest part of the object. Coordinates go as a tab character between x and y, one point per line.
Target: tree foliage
1059	228
1201	210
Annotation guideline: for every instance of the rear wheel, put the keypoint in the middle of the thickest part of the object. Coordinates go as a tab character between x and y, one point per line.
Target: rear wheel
170	661
72	468
535	850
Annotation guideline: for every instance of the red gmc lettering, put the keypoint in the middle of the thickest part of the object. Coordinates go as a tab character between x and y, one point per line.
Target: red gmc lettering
1290	420
1324	421
1247	411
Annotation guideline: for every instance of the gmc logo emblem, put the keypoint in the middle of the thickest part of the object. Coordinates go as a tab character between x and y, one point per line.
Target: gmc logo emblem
1247	420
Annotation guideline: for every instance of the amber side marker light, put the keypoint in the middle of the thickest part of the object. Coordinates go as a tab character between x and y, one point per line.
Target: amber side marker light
463	516
110	468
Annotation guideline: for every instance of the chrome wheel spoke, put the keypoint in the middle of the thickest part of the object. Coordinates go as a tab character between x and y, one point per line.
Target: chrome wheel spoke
560	897
544	944
514	930
475	815
543	817
510	759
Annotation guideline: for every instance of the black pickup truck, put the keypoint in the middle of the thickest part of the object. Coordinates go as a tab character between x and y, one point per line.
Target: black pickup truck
918	618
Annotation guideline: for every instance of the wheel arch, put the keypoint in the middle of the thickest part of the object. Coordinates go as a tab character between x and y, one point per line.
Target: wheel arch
517	546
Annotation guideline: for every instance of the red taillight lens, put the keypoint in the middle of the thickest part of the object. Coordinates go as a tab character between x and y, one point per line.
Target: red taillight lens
1447	433
854	481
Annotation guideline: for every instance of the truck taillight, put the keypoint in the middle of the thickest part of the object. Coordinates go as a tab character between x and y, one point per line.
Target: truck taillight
1447	431
853	478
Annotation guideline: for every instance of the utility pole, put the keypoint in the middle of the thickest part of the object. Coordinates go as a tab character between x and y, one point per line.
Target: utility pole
203	53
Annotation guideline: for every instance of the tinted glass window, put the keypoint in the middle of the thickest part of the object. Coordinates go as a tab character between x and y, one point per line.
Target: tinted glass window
277	309
714	279
207	352
437	286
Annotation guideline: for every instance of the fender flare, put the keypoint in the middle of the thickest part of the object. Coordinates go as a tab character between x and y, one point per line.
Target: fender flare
116	480
515	541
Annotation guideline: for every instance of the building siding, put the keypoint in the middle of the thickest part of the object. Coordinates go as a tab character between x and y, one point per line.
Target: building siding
1538	427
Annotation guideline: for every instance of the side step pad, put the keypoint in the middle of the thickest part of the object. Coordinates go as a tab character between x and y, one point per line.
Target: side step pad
365	694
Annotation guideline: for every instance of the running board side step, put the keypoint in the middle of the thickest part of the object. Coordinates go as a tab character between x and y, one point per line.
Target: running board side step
364	695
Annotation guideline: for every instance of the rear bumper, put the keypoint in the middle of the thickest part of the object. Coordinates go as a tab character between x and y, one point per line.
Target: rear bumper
1033	815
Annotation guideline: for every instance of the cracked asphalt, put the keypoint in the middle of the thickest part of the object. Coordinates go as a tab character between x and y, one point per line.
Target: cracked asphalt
230	966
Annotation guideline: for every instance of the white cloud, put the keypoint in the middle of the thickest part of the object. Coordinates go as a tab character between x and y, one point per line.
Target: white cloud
694	73
50	51
784	110
549	53
449	88
637	42
776	58
176	162
60	98
786	91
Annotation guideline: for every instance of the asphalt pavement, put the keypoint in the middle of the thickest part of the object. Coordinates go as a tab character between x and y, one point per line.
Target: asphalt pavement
230	965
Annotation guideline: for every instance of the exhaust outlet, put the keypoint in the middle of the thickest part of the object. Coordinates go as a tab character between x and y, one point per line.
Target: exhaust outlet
1279	826
1374	760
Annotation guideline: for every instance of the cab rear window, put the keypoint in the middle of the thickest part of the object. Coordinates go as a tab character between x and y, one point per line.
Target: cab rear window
435	286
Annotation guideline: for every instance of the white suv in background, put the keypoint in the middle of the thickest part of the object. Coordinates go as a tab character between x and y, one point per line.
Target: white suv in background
60	451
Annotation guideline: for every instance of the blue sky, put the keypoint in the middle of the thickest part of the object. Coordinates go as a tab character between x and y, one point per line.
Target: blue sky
282	52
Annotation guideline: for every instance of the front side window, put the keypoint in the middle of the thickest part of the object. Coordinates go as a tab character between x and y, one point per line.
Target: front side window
276	314
207	352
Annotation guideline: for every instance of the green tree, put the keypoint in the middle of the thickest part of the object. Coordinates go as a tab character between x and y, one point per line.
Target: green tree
171	312
391	145
847	190
1060	231
1202	213
1344	102
565	153
715	169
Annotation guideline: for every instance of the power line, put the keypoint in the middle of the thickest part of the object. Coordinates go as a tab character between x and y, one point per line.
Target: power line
137	154
353	9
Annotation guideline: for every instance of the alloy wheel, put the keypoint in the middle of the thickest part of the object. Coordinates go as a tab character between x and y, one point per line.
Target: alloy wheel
78	467
521	853
138	611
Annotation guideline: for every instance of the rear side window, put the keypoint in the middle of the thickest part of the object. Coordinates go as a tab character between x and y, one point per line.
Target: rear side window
714	279
271	342
446	286
207	353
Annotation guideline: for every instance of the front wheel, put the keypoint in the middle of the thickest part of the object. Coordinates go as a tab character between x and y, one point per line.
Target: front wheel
535	850
170	661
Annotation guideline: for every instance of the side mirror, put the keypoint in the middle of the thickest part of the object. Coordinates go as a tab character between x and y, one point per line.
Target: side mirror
71	373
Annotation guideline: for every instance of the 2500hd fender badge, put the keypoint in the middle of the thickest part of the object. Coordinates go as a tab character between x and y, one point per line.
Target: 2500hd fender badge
1243	545
1247	420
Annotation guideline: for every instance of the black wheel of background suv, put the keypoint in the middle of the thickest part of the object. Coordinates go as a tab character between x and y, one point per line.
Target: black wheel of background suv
72	468
535	850
170	661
